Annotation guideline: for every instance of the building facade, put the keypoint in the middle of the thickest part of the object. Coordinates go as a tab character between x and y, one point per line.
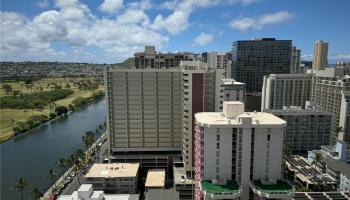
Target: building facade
307	129
218	60
238	151
144	109
332	93
233	91
320	60
285	90
253	59
295	62
203	90
150	58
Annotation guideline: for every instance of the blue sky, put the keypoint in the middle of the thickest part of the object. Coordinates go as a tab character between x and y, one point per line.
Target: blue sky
108	31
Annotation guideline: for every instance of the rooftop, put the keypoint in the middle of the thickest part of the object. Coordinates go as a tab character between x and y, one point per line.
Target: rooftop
231	81
155	178
157	194
180	176
338	165
112	170
321	195
218	118
229	187
279	187
85	192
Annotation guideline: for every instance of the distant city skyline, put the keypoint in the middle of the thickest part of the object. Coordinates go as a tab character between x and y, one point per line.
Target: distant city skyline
109	31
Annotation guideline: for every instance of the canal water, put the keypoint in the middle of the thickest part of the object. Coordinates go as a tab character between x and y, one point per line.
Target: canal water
33	154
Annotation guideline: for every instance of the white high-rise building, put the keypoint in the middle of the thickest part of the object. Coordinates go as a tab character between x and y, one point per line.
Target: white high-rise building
203	90
320	60
237	152
285	90
332	93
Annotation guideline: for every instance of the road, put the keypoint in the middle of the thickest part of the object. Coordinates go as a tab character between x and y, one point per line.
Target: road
74	185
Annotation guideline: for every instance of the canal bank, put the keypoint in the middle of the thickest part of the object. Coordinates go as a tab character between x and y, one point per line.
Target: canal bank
33	154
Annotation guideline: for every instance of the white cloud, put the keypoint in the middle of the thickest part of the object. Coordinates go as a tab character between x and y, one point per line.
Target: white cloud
203	39
342	56
42	3
261	21
182	9
141	5
95	38
111	6
74	25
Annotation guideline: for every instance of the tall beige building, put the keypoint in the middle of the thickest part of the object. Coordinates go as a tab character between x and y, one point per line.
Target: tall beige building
144	109
320	55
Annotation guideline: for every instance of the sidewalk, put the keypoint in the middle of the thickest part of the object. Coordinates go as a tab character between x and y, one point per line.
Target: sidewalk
49	194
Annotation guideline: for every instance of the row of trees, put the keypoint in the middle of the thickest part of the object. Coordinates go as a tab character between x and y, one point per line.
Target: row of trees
36	120
81	101
78	159
55	111
37	100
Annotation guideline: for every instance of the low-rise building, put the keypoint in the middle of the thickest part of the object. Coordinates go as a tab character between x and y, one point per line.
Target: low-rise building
183	183
321	195
305	175
155	179
307	129
86	192
118	178
334	163
162	194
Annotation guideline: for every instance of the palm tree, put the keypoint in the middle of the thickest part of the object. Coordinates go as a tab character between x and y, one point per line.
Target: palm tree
76	168
52	106
36	194
317	159
88	139
62	164
21	185
52	176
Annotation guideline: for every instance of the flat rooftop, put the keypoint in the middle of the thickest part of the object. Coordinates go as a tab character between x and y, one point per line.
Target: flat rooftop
229	187
218	118
113	170
180	177
74	196
279	187
155	178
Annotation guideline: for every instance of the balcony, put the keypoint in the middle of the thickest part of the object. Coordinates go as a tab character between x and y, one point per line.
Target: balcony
278	190
212	190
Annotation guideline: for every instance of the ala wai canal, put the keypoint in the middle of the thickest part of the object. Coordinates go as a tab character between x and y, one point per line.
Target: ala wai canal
33	154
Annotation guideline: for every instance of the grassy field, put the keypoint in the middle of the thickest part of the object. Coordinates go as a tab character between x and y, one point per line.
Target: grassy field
9	117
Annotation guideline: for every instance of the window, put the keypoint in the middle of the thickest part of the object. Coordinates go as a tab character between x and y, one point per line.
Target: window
218	130
217	145
217	170
218	137
217	161
218	154
268	137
